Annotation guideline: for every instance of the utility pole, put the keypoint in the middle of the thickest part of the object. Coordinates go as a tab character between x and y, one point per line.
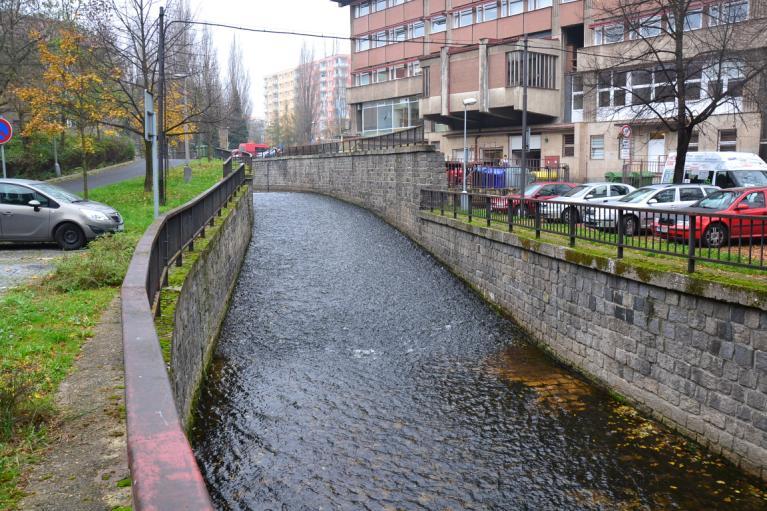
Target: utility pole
161	108
523	167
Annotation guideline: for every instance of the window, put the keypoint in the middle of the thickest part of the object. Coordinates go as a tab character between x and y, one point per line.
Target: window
537	4
512	7
728	12
487	12
363	79
399	71
16	195
362	9
646	27
399	34
379	5
690	194
597	193
426	82
607	34
363	43
381	75
597	147
616	190
438	24
611	89
577	93
380	40
541	70
668	195
728	140
693	20
417	29
414	68
462	18
693	144
568	144
754	200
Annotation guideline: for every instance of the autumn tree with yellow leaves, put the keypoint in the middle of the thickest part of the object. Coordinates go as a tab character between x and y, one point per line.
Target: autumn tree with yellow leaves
69	91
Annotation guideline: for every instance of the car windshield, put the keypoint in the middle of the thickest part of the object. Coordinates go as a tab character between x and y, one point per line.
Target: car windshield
718	200
576	191
750	178
638	195
57	193
532	190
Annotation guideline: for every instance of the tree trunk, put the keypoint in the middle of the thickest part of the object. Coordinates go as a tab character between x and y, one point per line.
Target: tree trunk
85	163
683	136
148	166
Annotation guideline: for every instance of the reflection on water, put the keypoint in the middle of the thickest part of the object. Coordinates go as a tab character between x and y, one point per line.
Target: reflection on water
354	372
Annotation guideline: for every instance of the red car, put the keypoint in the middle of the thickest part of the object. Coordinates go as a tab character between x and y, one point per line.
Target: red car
715	231
542	190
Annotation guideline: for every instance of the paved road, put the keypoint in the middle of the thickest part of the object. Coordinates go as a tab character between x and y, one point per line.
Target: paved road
109	177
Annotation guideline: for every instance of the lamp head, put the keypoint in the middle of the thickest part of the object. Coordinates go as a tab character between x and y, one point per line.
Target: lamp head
469	101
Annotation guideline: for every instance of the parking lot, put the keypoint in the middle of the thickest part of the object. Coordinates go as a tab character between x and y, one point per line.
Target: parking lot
21	263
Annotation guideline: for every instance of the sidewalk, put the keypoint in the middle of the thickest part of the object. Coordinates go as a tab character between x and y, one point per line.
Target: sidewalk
83	468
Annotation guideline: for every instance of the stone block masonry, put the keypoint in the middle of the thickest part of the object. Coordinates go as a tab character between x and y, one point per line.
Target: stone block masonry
693	355
203	301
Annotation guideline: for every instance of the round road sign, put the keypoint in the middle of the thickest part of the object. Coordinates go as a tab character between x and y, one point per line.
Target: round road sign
626	131
6	131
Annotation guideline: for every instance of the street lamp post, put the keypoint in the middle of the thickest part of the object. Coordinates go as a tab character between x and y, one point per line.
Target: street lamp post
187	167
464	194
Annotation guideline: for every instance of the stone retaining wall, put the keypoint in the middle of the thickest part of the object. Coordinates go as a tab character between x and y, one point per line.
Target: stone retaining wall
693	354
203	302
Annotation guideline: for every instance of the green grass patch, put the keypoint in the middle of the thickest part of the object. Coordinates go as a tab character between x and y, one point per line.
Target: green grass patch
44	325
645	264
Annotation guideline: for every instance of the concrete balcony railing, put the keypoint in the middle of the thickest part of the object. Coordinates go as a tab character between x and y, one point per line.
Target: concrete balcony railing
411	86
503	102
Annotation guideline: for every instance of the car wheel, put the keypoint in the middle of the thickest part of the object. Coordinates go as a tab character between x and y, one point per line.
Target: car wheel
570	211
69	236
630	225
715	235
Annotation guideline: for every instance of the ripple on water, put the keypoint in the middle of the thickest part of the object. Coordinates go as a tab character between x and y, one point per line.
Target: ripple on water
354	372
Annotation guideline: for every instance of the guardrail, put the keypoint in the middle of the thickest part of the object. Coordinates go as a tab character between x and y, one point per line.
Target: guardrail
407	137
730	239
163	468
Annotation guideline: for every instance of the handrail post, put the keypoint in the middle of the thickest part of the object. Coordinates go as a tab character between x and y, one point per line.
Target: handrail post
620	233
526	207
571	227
488	209
431	201
469	205
442	203
691	245
455	205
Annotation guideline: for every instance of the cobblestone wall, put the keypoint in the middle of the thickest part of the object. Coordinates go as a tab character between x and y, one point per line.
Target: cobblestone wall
693	355
203	302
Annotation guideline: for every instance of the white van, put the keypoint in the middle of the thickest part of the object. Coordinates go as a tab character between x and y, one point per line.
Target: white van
725	170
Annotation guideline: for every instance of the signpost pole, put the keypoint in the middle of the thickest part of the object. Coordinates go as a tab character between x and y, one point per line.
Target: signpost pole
2	151
150	135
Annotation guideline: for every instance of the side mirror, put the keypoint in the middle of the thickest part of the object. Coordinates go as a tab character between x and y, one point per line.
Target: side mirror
652	201
35	204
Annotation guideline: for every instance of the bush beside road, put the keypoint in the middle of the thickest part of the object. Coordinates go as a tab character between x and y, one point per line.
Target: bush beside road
45	323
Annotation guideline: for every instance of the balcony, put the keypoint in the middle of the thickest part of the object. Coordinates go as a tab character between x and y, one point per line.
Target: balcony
402	87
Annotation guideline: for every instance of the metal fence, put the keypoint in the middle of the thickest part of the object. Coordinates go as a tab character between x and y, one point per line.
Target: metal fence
738	240
502	176
407	137
180	227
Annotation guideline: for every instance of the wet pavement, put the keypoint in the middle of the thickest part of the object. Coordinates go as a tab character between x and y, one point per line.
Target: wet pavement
355	372
21	263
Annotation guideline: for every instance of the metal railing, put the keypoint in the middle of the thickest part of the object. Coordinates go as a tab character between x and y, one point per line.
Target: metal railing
180	227
221	153
406	137
502	175
730	239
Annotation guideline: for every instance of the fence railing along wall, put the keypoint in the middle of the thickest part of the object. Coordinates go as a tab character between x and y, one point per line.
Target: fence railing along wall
730	239
412	136
164	471
502	175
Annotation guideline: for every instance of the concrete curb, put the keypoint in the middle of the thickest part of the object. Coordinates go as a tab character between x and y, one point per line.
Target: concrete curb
94	172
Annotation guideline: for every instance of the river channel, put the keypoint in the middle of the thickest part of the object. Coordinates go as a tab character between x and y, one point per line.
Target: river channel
354	371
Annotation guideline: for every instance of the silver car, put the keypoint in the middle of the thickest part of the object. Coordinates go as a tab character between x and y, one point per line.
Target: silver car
646	199
38	211
585	194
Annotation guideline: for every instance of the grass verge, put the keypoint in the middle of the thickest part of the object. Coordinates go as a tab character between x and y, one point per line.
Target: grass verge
44	325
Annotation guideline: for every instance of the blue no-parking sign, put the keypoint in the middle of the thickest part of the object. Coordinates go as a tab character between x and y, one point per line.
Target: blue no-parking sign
6	131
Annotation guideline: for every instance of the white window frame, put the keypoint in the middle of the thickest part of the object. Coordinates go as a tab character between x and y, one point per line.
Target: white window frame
602	32
374	5
377	75
534	5
412	29
358	9
458	18
717	12
363	43
574	93
362	79
482	12
698	13
380	39
728	145
597	151
442	21
398	34
512	7
647	27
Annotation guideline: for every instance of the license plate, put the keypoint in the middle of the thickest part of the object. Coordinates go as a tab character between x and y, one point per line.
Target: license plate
121	228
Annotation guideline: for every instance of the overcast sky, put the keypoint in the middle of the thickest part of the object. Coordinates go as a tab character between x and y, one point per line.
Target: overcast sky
268	53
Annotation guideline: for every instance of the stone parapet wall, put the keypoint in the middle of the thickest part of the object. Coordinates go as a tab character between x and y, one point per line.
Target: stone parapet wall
203	302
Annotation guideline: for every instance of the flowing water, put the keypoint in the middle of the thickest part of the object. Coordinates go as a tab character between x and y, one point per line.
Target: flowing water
355	372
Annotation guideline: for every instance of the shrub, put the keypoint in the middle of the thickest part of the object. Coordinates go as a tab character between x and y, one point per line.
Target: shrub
103	264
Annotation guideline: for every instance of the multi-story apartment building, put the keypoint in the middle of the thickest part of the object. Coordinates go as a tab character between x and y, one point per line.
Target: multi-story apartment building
330	81
415	61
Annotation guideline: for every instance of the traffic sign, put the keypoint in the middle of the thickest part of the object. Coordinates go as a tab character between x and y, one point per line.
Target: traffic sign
626	131
6	131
